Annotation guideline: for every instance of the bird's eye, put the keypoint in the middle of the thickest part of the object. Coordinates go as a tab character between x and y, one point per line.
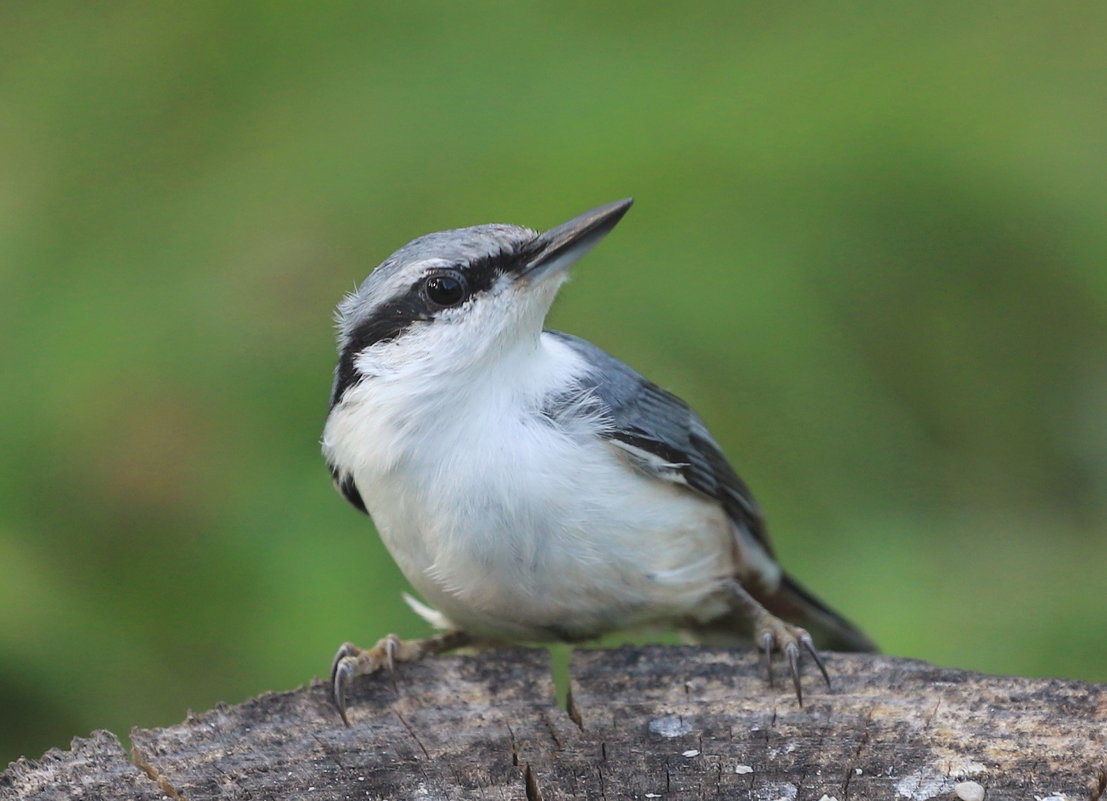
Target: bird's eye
445	290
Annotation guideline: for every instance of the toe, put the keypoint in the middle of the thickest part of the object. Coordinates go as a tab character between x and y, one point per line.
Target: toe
388	647
767	640
351	661
775	635
791	651
344	671
345	651
809	646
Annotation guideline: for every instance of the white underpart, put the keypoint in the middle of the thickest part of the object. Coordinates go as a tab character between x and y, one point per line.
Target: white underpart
753	559
513	526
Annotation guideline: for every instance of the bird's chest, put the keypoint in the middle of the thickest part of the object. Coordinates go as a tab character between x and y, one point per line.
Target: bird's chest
516	525
483	503
463	498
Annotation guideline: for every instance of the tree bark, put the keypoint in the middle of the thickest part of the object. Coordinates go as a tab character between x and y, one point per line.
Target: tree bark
642	723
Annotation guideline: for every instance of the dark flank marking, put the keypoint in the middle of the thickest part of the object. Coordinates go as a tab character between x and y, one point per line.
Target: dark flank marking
348	489
345	485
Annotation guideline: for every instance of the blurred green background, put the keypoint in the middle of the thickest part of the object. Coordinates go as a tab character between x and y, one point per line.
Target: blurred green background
869	246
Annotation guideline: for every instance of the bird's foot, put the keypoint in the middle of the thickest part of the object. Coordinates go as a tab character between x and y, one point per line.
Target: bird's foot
773	634
351	661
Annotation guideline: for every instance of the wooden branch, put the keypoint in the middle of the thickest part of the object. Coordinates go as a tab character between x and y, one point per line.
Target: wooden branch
643	723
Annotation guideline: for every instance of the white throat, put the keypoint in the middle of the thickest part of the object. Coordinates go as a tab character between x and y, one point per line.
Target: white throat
426	399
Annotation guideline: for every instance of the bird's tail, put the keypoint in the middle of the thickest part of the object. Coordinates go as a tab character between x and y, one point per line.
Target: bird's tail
794	604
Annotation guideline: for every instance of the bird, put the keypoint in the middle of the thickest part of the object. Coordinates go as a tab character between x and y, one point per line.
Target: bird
531	487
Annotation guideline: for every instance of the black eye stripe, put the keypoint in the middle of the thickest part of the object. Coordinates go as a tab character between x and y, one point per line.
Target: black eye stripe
387	322
413	305
482	273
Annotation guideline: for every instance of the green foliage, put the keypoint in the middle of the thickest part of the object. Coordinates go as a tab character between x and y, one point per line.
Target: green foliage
868	246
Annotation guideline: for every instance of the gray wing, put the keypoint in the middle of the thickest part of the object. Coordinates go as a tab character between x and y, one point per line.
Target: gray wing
664	436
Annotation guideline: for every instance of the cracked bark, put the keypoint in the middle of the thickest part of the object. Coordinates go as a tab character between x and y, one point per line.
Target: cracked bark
487	727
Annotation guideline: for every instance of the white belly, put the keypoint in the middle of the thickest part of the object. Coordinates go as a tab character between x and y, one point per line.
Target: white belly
513	525
532	533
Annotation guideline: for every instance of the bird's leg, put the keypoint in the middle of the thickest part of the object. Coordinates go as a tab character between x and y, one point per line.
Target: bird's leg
773	634
351	661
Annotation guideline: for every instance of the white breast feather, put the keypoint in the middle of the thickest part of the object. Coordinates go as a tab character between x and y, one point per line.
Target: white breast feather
468	485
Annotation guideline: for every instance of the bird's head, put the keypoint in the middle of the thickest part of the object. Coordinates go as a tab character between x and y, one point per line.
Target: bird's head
454	298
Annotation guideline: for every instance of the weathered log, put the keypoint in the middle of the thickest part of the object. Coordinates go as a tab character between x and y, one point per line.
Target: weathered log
656	722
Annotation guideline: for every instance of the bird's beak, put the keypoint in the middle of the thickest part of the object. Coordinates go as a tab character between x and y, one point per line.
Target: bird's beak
559	248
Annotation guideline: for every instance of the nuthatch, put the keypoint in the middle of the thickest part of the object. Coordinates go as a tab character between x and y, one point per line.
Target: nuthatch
530	486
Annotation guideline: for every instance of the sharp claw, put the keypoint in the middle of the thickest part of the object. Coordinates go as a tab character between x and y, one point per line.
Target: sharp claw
351	661
342	675
767	646
346	649
792	652
390	645
809	645
334	667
